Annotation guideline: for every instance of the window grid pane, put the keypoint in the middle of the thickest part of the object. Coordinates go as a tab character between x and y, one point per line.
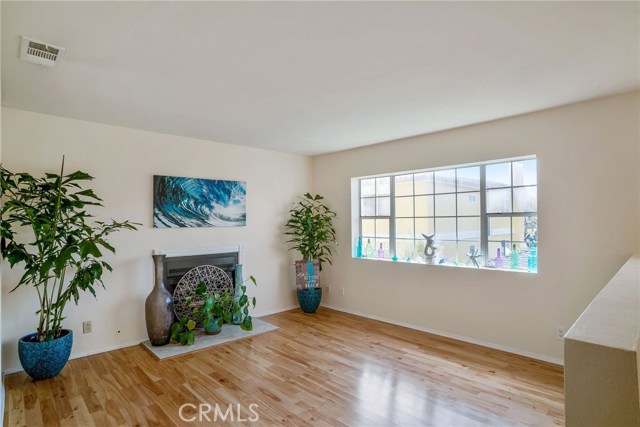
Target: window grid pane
423	183
383	186
404	185
404	207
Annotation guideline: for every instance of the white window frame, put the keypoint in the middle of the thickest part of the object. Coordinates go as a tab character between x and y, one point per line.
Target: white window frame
485	216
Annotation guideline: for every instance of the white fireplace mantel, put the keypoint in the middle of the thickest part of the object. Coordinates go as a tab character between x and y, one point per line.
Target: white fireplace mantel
209	250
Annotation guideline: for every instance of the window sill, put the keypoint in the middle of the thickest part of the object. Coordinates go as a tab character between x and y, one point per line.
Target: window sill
507	270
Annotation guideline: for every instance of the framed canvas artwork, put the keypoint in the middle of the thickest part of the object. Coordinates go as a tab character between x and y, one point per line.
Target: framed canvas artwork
198	202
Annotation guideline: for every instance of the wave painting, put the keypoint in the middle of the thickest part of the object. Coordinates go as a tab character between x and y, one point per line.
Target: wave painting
194	202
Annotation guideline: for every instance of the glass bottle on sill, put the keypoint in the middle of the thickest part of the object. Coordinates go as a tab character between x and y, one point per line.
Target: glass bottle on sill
380	251
359	248
368	249
514	258
499	259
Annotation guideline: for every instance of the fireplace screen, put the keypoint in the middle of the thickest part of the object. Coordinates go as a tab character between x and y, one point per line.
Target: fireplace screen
216	280
176	267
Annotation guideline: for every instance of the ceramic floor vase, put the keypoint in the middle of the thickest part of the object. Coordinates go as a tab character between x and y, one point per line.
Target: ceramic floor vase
238	317
45	359
158	307
309	299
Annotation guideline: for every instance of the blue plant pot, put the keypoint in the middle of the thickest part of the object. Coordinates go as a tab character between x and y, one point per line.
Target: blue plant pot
45	359
309	299
213	327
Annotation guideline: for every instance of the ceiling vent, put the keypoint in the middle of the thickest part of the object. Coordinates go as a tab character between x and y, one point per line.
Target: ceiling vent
41	53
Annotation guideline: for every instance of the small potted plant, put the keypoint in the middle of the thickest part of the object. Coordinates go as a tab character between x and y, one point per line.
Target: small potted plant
310	231
46	227
212	311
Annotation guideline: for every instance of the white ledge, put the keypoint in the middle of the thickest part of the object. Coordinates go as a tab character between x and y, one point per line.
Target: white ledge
201	251
471	267
612	318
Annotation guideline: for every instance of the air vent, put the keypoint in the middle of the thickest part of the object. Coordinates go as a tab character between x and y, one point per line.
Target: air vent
40	52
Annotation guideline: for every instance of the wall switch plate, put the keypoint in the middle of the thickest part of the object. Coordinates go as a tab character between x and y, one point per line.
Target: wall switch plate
560	332
328	289
342	291
86	327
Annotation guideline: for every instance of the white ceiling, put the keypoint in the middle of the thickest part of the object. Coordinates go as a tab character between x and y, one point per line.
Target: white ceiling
316	77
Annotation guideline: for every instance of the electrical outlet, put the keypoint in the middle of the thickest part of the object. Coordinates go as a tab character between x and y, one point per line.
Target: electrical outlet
328	289
342	291
86	327
560	332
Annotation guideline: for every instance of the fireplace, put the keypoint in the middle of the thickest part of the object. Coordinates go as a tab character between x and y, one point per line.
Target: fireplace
178	262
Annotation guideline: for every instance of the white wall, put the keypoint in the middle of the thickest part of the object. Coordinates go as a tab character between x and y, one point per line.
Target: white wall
588	202
123	162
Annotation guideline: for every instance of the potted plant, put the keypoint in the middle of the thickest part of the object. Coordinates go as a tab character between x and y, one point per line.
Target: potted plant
45	226
212	311
310	231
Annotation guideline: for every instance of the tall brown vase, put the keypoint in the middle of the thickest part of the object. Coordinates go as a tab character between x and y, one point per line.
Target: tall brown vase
158	308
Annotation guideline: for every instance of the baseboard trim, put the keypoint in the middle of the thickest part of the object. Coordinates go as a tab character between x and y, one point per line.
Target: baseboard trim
130	344
85	353
278	310
544	358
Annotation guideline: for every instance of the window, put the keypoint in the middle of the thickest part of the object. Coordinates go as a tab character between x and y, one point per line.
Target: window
375	213
473	211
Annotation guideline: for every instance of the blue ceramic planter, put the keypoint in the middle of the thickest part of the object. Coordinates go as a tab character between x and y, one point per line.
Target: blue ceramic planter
309	299
42	360
213	327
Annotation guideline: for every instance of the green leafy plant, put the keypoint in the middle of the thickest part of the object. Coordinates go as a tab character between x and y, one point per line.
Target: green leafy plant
214	307
310	229
182	331
221	307
61	248
224	305
240	307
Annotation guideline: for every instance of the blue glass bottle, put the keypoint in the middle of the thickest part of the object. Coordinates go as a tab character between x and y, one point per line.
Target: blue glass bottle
359	248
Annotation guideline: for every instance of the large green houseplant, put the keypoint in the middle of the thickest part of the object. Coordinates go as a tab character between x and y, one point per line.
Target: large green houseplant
311	233
46	228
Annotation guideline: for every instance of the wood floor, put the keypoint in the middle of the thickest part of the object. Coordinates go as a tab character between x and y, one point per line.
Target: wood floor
325	369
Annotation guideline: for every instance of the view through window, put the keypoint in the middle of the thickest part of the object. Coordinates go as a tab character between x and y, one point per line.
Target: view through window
479	215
